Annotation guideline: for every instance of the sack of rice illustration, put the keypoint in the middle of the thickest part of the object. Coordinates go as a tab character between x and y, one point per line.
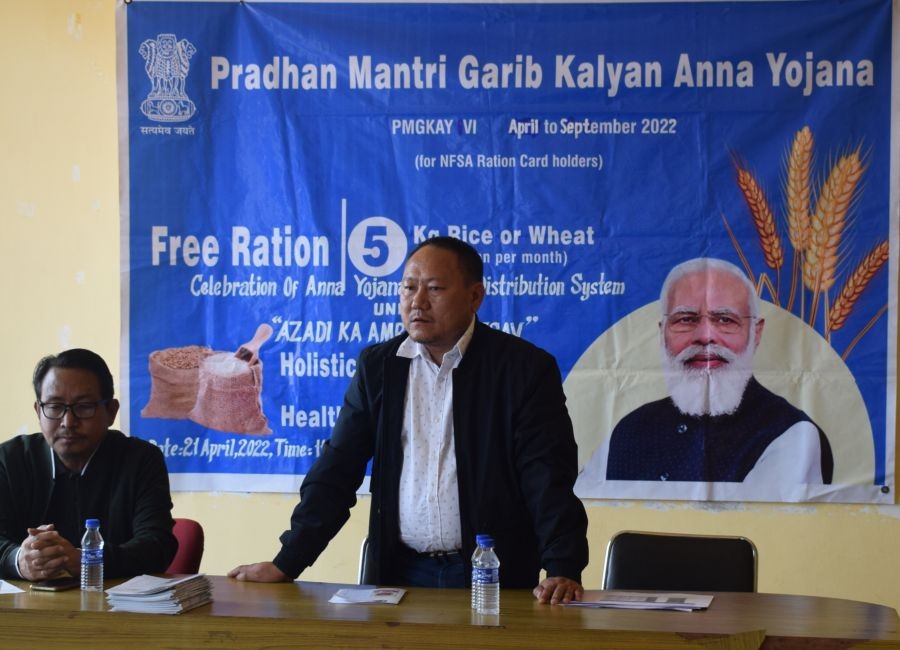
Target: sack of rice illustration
229	395
174	376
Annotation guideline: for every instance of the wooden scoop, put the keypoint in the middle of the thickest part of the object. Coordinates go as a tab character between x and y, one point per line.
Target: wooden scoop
249	351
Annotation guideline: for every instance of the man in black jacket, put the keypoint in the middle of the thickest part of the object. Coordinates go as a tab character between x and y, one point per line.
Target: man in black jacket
469	433
78	468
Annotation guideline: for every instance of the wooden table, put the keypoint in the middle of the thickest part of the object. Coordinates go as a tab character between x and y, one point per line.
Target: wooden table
247	615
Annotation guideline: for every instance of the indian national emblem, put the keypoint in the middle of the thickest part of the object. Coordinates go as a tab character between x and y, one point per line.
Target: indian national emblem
167	65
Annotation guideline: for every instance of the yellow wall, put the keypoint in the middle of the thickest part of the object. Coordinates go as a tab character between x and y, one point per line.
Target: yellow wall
59	268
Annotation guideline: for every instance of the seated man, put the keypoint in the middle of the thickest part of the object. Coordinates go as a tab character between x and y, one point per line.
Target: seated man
75	469
718	422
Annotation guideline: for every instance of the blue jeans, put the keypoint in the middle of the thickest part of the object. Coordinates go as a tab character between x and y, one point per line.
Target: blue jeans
420	570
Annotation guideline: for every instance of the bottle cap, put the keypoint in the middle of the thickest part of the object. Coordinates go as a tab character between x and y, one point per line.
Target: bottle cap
92	523
484	540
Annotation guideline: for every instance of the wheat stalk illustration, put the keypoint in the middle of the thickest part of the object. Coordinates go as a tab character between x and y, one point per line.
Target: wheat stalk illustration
815	234
764	220
855	285
797	189
827	227
799	166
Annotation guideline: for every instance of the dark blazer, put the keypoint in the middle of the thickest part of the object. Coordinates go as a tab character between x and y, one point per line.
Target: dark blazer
515	453
656	442
126	487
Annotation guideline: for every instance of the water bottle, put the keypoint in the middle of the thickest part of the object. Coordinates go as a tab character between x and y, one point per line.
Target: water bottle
92	557
485	577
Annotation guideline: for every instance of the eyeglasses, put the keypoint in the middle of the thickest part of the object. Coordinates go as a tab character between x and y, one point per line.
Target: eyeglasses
723	322
81	410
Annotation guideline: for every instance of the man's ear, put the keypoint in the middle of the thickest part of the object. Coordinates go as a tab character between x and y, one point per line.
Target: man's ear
477	296
112	409
758	330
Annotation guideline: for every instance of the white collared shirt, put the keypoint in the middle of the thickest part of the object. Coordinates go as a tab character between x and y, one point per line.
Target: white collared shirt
429	495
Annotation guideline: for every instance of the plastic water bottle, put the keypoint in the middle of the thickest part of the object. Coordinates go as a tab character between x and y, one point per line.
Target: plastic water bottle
485	577
92	557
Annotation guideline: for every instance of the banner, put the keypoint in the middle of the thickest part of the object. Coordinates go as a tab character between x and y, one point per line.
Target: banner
280	161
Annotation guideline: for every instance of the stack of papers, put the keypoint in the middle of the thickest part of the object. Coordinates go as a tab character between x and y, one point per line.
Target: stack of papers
152	595
645	600
385	595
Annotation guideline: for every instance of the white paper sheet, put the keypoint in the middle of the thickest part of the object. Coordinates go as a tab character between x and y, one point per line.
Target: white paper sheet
646	600
384	595
9	588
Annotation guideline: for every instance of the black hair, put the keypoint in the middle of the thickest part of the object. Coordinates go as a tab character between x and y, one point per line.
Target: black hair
470	262
76	358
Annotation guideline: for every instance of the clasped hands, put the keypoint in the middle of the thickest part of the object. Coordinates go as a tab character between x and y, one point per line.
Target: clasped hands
46	554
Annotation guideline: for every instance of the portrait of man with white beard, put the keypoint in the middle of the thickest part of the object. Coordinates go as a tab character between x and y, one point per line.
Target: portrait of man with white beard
718	422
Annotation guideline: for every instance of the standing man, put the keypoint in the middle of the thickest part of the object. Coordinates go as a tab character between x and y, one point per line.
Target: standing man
469	433
718	422
78	468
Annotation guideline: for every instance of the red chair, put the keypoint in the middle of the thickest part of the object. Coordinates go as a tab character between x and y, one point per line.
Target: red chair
189	534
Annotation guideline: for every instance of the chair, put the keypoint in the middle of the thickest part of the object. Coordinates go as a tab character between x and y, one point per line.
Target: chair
189	534
363	578
674	562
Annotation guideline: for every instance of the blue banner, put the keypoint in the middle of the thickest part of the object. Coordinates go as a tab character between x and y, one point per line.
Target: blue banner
280	160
